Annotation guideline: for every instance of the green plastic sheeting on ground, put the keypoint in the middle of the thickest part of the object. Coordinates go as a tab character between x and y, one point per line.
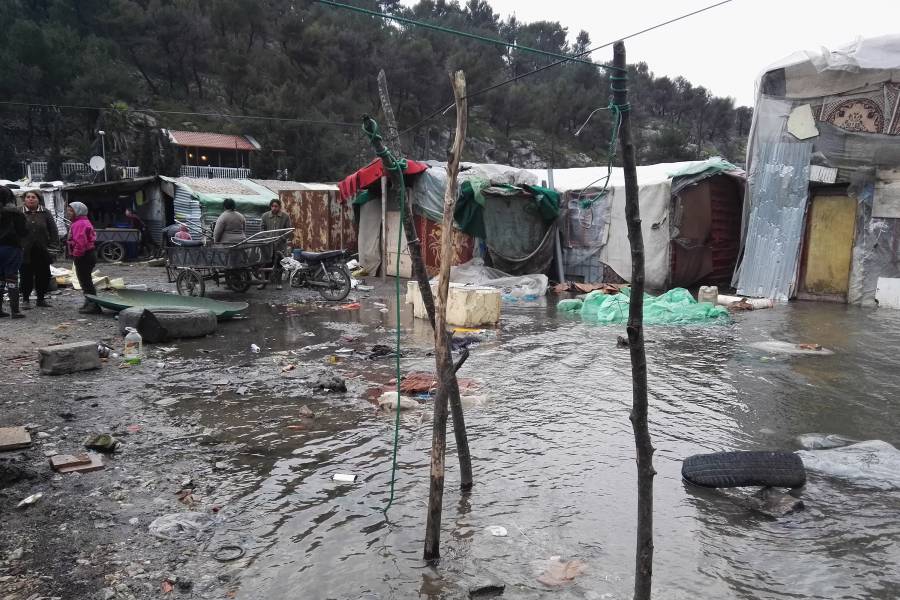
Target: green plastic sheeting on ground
675	307
570	305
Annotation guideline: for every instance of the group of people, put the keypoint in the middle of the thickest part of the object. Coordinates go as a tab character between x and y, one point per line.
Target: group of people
231	228
29	240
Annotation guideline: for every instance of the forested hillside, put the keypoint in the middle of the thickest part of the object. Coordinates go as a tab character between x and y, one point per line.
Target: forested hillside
286	59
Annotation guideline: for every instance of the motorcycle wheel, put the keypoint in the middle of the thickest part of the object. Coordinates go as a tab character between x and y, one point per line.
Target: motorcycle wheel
338	279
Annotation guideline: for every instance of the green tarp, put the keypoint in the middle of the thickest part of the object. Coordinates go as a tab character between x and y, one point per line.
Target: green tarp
469	213
675	307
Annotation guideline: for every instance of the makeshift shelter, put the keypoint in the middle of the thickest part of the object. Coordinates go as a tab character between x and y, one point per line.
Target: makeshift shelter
198	202
823	164
690	218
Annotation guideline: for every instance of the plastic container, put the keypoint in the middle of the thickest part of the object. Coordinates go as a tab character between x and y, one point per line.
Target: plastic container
708	293
134	347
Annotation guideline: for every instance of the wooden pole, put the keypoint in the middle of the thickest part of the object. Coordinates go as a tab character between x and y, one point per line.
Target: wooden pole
443	360
392	130
643	568
450	390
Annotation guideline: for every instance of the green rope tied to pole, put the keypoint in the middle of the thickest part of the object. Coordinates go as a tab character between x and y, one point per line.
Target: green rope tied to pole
370	128
616	110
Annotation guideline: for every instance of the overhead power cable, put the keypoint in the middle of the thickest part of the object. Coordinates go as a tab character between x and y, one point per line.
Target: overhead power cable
184	113
466	34
500	84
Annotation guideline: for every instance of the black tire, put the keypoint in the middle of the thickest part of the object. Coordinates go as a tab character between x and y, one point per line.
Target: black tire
190	283
740	469
178	322
298	279
338	279
112	252
238	280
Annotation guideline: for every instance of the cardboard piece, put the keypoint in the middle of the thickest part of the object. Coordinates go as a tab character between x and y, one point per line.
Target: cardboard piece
13	438
80	463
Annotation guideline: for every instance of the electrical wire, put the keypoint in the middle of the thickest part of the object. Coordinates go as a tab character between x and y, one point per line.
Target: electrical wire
500	84
182	113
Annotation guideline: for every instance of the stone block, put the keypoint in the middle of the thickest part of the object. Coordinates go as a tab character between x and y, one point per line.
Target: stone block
69	358
467	305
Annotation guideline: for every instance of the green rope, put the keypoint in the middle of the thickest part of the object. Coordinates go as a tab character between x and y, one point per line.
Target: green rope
617	110
473	36
370	127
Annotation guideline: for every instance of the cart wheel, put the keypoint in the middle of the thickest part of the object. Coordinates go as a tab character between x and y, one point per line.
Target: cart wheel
112	252
190	283
338	279
238	280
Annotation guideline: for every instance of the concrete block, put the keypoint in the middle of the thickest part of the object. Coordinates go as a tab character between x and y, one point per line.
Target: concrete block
467	305
888	292
69	358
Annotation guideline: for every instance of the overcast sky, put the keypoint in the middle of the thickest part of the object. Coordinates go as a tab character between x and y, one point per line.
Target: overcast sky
723	49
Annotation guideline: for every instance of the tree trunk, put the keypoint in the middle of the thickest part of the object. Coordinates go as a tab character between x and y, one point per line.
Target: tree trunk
412	242
643	572
443	360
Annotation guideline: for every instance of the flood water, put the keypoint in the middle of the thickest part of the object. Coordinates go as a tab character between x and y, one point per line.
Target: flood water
553	452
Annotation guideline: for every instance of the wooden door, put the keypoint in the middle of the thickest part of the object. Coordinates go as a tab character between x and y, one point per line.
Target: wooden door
829	247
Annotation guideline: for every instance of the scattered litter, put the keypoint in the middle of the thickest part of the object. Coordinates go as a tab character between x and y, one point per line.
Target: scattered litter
344	351
388	401
228	553
103	351
254	348
13	438
383	310
622	342
380	350
241	390
307	412
872	464
330	383
166	587
676	306
32	499
102	442
343	478
166	402
288	367
559	572
365	288
820	441
133	429
777	347
497	530
181	525
487	589
350	306
332	359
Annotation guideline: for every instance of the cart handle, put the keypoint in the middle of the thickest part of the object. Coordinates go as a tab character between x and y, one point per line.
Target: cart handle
264	237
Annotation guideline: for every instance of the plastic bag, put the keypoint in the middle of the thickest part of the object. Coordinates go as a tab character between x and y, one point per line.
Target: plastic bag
513	288
181	526
571	305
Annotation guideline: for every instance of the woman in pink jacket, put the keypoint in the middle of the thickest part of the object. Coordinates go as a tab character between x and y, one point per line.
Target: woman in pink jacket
82	238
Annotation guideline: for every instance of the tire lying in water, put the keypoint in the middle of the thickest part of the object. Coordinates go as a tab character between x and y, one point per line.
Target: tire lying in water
740	469
177	322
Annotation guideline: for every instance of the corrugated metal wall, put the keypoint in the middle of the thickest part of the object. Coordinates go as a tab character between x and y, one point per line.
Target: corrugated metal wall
320	221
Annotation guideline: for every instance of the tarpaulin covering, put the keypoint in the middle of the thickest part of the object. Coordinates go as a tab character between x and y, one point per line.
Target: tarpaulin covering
351	185
675	307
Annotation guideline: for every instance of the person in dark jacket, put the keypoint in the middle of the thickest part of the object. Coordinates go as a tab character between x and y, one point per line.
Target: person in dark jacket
276	218
41	241
13	231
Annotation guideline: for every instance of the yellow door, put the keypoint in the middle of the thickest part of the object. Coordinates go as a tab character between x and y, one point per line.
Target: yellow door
832	223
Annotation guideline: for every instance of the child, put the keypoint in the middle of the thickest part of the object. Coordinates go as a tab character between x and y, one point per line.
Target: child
82	238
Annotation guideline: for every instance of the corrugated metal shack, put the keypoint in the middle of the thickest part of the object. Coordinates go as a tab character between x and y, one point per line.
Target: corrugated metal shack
824	176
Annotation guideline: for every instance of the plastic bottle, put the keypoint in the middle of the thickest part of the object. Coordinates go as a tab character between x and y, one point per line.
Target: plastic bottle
134	346
708	293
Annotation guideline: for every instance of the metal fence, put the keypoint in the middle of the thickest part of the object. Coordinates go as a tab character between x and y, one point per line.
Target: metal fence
37	170
215	172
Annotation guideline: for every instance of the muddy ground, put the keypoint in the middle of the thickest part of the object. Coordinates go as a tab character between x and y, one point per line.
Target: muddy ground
88	536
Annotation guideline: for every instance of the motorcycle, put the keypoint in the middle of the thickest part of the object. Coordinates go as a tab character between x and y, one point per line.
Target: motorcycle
325	271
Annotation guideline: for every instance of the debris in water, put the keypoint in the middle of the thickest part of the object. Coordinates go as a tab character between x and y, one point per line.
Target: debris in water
254	348
559	572
497	530
622	342
331	383
388	401
307	412
343	478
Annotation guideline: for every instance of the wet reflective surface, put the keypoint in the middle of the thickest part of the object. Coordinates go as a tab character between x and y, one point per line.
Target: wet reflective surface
553	456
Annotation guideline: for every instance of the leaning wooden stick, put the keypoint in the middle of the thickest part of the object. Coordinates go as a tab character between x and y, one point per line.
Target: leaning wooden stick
441	339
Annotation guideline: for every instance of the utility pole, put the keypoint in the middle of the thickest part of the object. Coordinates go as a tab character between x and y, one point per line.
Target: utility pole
103	152
643	571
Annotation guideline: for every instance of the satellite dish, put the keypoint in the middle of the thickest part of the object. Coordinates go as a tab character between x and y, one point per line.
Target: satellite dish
97	163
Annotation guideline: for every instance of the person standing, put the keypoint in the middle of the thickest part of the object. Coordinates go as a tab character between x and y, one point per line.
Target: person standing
276	218
42	239
230	225
82	244
135	222
13	231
